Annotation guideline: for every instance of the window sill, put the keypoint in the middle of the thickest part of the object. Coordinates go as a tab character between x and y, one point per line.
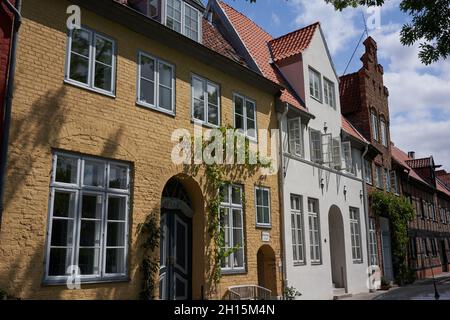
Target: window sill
299	264
63	282
357	262
233	272
85	87
316	263
204	124
314	98
148	106
263	226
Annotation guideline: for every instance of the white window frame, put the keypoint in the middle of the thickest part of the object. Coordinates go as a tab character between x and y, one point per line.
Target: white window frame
375	126
378	177
348	157
205	83
296	143
93	35
183	18
298	242
245	117
259	223
387	177
156	84
383	129
314	143
368	171
355	232
78	189
314	77
394	182
373	243
329	93
230	206
314	221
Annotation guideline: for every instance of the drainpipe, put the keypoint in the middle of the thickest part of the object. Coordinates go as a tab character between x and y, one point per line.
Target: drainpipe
281	117
366	204
9	98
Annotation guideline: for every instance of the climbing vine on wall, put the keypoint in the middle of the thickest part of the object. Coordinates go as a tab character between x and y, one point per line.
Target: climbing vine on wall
219	176
400	212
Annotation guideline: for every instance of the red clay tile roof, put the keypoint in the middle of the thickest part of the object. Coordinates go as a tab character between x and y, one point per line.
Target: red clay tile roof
402	158
443	176
441	187
214	40
256	41
292	43
351	130
420	163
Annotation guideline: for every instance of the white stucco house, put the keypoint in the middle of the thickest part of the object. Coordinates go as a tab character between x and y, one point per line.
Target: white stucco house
324	216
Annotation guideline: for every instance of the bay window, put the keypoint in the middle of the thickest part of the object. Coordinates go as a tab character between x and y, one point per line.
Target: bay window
91	61
88	219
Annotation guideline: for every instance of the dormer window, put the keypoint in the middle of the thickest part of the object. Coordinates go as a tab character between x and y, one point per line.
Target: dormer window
148	7
183	18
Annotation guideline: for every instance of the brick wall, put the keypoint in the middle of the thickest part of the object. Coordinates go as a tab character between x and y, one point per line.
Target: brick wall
49	114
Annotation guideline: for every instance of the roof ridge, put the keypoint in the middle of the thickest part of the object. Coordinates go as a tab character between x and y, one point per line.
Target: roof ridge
244	16
295	31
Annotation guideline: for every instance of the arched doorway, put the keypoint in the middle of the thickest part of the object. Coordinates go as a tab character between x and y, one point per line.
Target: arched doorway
175	282
337	248
267	269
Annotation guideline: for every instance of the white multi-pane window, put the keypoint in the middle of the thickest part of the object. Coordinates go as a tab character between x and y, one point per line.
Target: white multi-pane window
205	101
183	18
91	60
297	229
347	155
232	225
148	7
156	83
394	182
373	244
88	218
329	93
314	231
295	137
378	177
245	116
355	234
387	177
315	84
383	127
375	128
368	171
262	204
316	146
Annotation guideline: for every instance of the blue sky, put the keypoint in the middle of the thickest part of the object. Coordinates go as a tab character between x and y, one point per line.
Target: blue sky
419	95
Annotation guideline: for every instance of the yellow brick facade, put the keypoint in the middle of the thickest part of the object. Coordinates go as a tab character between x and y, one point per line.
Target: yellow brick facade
49	114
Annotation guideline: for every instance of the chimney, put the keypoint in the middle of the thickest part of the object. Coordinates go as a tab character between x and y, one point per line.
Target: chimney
412	154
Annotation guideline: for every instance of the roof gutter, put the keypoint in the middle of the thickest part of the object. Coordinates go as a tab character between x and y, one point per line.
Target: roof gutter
9	98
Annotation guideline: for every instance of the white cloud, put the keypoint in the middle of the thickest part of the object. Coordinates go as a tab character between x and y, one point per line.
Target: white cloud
275	19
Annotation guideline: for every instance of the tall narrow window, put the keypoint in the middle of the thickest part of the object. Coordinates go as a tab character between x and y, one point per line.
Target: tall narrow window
91	60
368	171
148	7
297	229
387	178
314	231
156	83
315	85
232	224
173	14
355	234
88	218
191	22
316	146
183	18
394	182
348	159
337	157
330	93
205	101
413	248
384	137
378	177
262	204
295	137
375	128
245	116
373	244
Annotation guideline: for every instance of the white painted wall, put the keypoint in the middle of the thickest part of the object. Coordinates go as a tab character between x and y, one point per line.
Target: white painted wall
304	178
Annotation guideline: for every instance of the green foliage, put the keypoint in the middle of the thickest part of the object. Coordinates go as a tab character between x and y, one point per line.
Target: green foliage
3	294
217	177
430	25
400	212
149	232
290	293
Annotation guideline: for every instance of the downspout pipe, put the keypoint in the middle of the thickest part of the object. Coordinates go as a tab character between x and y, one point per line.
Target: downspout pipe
15	10
366	207
281	175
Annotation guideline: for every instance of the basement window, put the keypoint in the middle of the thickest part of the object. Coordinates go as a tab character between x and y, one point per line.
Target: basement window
91	61
88	219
